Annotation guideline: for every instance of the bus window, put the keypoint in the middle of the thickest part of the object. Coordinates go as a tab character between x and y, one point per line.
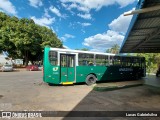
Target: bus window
53	57
111	60
85	59
70	61
90	59
63	61
126	61
134	62
101	60
81	59
84	62
116	60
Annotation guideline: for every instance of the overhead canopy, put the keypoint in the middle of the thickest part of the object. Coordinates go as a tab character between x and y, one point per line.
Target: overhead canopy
143	35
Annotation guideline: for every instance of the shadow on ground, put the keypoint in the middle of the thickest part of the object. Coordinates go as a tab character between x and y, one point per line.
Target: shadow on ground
140	98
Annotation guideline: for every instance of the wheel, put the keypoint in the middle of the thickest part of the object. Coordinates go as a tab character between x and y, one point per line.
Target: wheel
91	79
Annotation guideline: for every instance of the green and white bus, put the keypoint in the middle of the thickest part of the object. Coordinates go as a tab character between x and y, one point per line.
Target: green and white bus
65	66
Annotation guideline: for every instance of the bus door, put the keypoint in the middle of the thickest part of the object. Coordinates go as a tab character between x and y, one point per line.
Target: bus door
67	66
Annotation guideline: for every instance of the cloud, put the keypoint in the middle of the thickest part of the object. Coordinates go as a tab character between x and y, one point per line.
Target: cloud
84	24
85	16
83	9
103	41
87	5
71	6
55	11
35	3
46	14
44	21
75	6
118	28
67	36
124	3
120	24
7	6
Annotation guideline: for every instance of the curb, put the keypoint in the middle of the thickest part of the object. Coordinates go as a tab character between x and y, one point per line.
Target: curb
19	70
110	88
152	86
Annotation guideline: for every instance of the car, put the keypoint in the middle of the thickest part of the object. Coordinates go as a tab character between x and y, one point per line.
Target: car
32	68
40	68
6	67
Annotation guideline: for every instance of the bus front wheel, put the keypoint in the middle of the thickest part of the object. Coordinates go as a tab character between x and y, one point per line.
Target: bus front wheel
91	79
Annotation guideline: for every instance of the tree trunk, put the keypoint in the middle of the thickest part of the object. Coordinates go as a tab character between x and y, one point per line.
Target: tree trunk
26	58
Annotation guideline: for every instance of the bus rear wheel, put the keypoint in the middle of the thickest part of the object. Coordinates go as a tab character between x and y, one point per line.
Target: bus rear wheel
91	79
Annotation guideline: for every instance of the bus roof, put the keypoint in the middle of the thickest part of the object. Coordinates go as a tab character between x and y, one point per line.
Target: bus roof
80	51
89	52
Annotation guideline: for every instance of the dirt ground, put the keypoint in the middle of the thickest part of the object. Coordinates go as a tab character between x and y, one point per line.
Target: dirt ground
25	90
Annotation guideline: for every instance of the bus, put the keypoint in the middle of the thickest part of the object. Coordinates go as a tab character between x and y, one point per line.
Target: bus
66	66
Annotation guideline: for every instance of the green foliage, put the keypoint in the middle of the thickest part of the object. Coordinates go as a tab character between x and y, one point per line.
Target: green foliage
152	61
23	38
114	49
84	49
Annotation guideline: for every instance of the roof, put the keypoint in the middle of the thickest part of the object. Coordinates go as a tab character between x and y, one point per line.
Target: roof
143	35
80	51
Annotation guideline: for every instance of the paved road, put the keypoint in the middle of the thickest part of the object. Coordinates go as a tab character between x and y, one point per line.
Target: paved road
25	90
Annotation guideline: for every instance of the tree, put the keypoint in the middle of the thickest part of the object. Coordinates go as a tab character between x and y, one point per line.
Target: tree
114	49
108	50
23	38
5	35
152	61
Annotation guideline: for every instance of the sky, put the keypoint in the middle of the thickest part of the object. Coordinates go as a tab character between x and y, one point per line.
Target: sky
93	24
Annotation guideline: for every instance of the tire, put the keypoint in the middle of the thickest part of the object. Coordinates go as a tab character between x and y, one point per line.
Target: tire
91	79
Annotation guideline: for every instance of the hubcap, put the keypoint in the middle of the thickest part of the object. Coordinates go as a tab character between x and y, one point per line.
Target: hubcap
91	79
